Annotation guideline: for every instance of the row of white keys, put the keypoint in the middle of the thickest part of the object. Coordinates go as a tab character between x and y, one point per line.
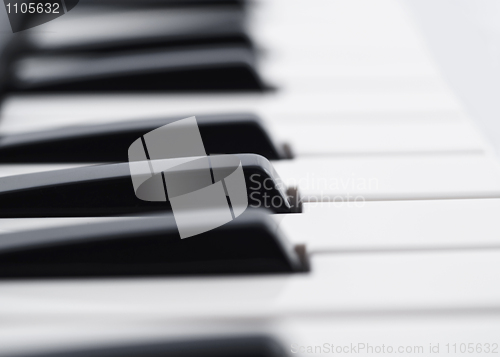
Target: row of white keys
391	226
361	47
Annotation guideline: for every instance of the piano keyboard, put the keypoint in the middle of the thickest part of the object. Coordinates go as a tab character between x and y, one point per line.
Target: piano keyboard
396	242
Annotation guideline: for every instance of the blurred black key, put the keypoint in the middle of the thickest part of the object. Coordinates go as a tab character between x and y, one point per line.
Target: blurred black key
107	190
221	134
148	246
214	68
245	346
124	26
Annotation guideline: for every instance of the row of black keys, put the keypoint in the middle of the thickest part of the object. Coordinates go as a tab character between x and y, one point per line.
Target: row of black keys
106	190
189	57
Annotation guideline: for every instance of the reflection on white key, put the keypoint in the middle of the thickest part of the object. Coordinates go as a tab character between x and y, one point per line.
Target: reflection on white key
395	225
412	177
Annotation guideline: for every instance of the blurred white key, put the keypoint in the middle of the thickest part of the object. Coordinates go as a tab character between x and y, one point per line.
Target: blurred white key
348	39
28	113
328	24
377	137
412	177
424	333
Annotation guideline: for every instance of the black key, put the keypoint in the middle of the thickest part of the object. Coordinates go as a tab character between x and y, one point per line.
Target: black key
221	134
149	246
107	190
245	346
214	68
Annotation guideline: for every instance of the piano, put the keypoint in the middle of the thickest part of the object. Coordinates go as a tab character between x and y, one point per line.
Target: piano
385	242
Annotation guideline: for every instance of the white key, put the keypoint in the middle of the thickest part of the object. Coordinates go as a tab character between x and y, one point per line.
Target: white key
395	226
412	177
